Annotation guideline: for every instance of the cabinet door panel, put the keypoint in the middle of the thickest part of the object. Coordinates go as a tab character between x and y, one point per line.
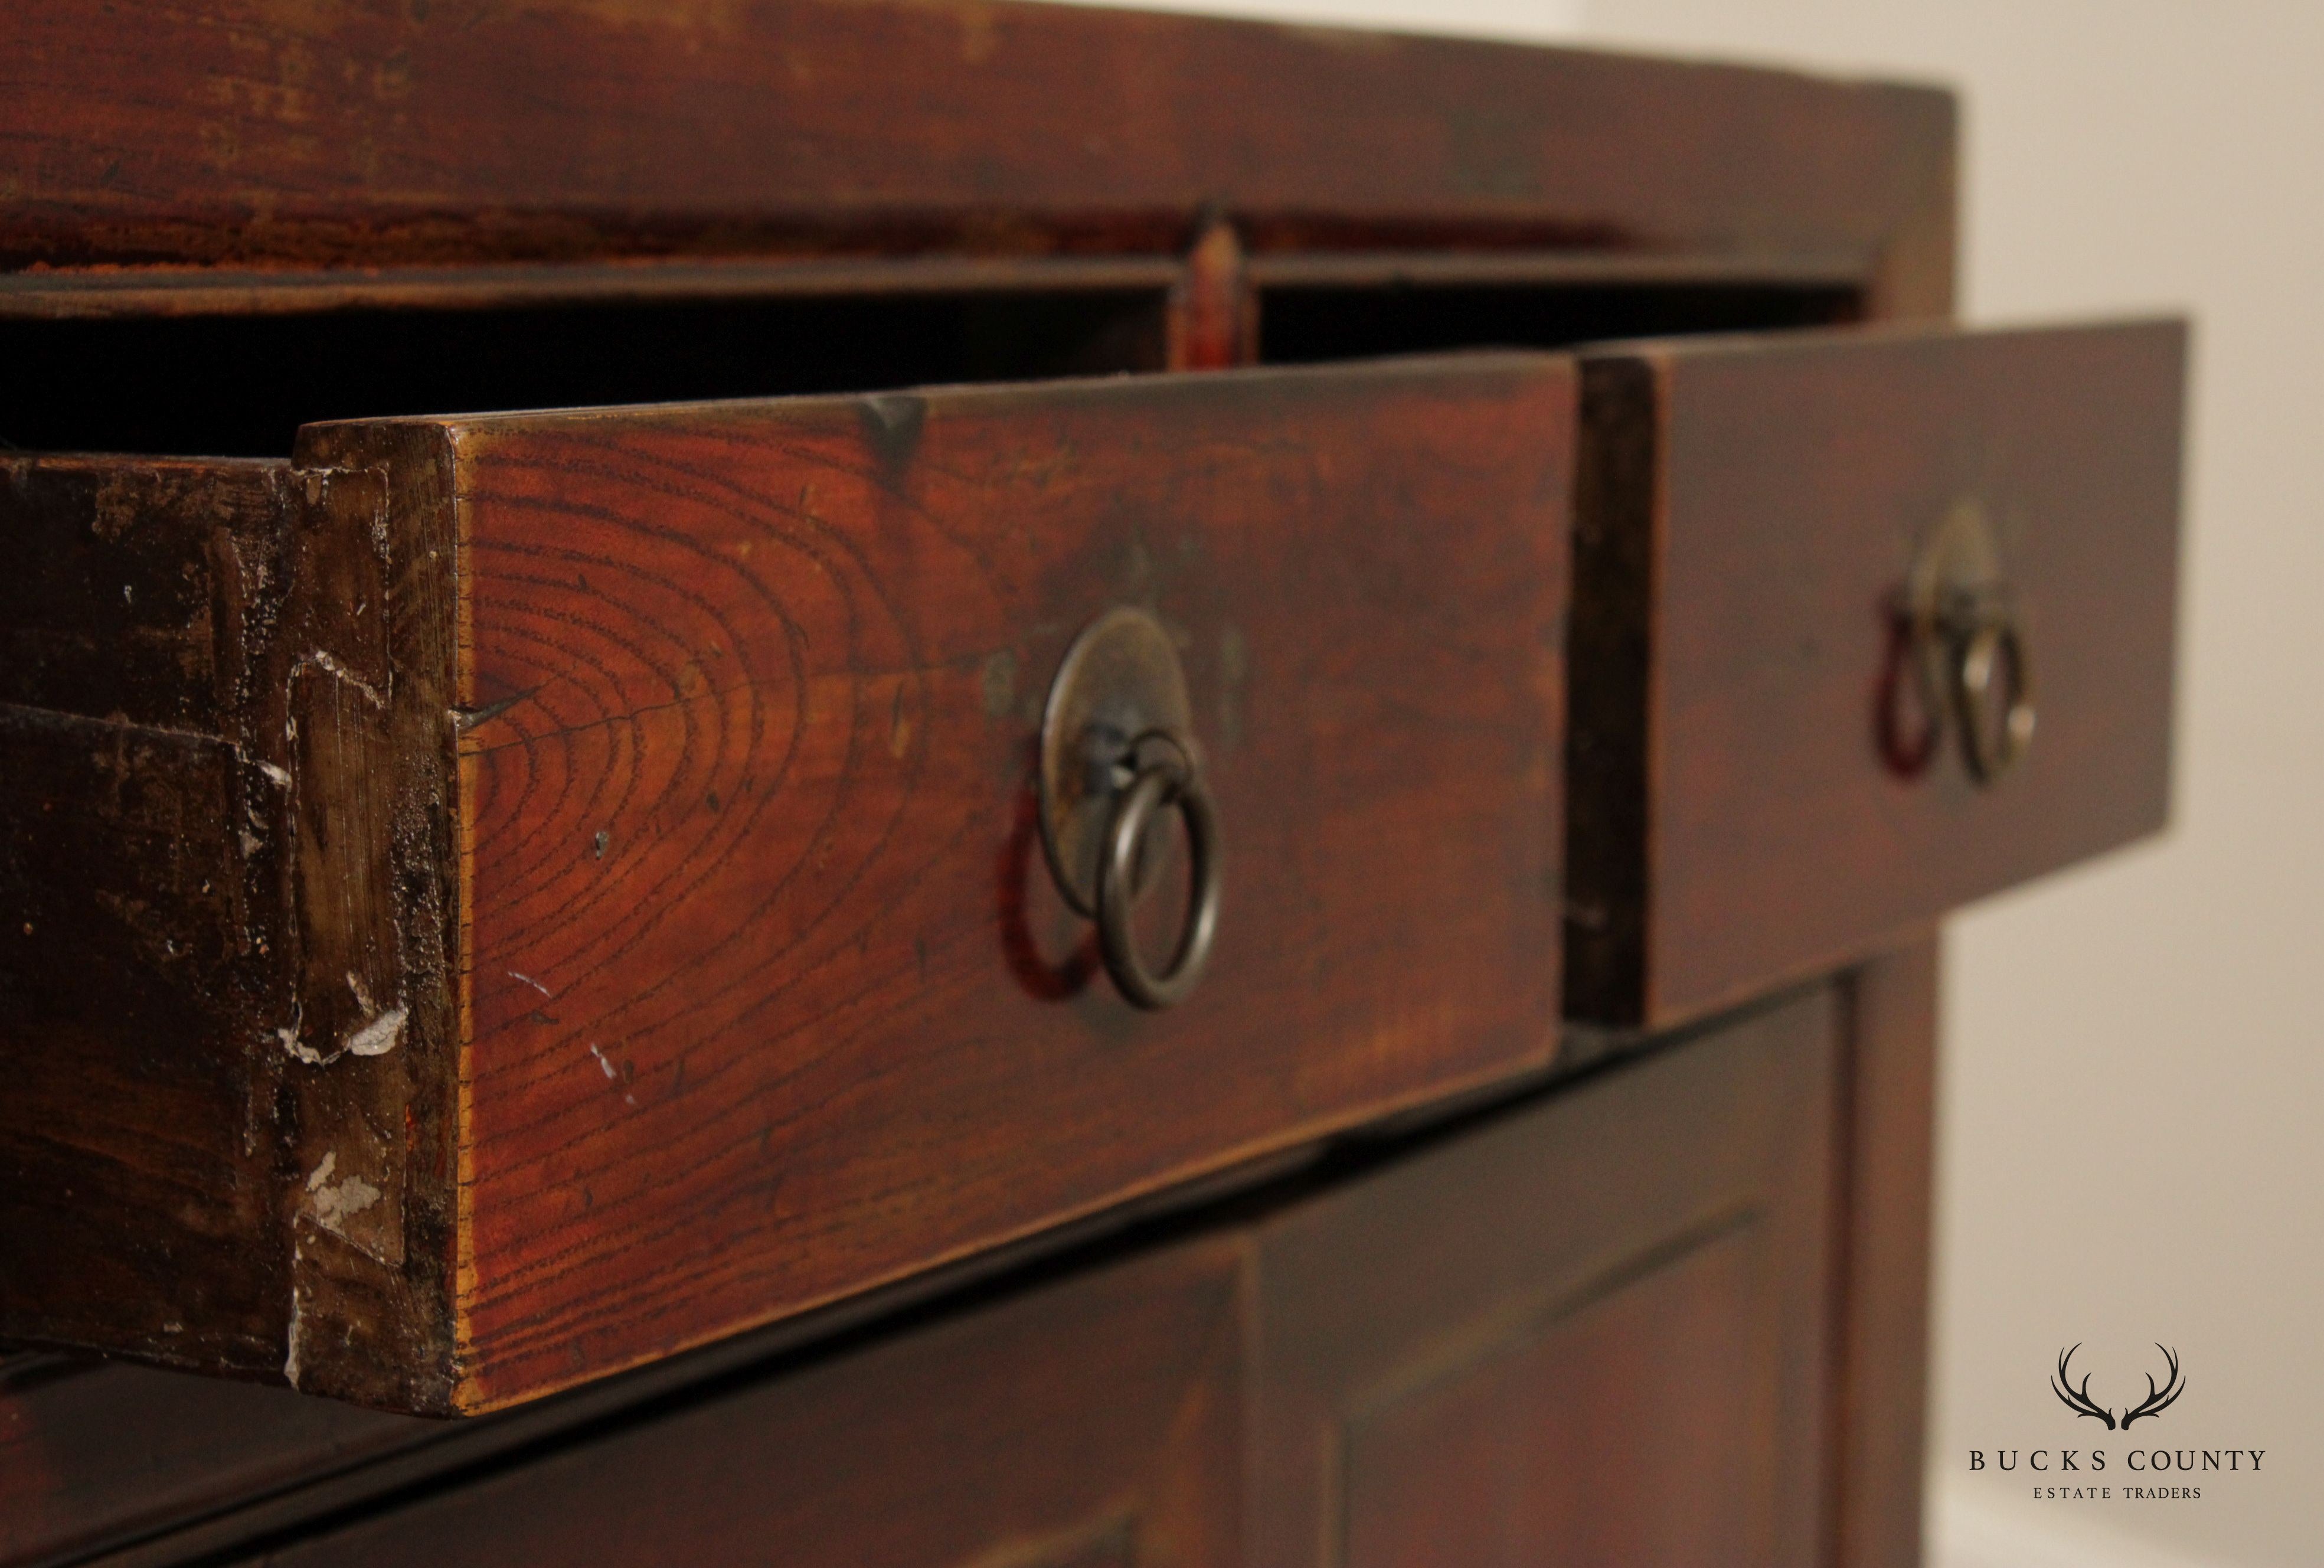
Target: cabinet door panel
1088	1425
1593	1332
1606	1435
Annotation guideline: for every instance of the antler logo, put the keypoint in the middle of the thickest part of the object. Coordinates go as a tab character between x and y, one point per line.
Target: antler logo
2077	1397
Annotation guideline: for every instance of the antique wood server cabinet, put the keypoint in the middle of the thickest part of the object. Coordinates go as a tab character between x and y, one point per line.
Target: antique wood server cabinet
907	783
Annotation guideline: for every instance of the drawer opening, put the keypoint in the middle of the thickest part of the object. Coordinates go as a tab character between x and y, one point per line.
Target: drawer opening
240	386
1306	324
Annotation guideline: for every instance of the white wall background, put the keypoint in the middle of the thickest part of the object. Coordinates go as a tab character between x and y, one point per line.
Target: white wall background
2132	1083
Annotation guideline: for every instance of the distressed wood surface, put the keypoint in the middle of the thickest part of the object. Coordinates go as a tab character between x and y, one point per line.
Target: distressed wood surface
1747	511
217	1084
141	857
766	994
291	131
1592	1332
1091	1425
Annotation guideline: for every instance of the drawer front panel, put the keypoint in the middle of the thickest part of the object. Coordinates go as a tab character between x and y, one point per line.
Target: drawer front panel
1762	785
769	996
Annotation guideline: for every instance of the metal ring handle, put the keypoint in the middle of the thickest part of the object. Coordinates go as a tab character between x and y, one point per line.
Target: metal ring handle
1992	647
1909	688
1168	780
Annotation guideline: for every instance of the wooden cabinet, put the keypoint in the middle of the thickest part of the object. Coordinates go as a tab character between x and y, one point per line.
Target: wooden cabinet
549	855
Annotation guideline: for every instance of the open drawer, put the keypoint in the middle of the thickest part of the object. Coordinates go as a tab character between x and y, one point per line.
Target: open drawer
1868	624
494	901
499	899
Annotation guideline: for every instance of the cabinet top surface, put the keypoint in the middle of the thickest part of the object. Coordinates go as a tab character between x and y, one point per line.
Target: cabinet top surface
285	133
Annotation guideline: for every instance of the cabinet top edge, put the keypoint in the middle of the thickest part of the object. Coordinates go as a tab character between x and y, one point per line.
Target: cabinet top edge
251	134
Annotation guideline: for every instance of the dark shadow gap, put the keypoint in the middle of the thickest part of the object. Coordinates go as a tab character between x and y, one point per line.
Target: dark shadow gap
1311	325
226	386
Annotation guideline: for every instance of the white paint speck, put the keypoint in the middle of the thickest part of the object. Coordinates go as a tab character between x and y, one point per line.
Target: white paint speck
297	1047
290	1360
535	985
315	657
334	1202
378	1036
375	1039
594	1051
334	1205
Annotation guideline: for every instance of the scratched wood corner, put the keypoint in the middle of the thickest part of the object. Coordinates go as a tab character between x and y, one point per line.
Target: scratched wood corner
221	996
374	1124
143	828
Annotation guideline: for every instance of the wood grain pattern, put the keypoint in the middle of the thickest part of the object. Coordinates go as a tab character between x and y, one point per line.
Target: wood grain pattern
769	997
1592	1332
1747	512
1089	1425
293	132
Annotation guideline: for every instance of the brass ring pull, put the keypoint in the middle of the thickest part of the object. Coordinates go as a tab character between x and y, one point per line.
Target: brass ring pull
1957	649
1989	666
1165	779
1909	717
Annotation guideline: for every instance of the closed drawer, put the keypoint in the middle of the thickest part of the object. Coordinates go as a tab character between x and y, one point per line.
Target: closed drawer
564	887
1808	570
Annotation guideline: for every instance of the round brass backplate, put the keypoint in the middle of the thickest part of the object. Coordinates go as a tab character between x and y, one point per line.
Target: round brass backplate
1956	562
1969	642
1119	681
